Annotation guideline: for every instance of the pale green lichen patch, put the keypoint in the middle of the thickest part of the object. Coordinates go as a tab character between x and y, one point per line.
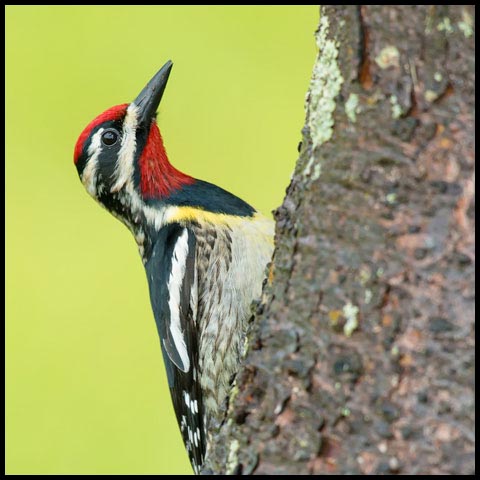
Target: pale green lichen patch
233	393
346	412
365	275
388	57
431	96
351	107
324	87
438	76
232	460
316	169
428	24
391	198
466	24
396	108
368	296
445	26
350	312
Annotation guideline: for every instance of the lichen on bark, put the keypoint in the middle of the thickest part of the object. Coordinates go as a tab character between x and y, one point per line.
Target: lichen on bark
324	86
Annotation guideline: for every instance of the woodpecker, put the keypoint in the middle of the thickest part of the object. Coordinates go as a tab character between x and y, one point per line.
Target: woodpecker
204	251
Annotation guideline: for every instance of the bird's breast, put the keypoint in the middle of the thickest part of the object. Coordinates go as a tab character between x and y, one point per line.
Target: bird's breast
231	260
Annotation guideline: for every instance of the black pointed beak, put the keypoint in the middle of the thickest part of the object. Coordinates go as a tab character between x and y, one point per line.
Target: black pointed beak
149	98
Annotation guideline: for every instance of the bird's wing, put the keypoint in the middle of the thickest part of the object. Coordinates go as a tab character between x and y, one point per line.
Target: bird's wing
171	273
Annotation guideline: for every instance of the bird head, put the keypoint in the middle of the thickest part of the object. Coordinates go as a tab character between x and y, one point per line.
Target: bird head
121	159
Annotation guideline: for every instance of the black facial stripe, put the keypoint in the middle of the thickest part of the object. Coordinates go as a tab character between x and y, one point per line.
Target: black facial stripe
141	138
83	159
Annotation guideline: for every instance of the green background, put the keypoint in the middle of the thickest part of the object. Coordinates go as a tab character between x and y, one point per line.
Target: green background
85	386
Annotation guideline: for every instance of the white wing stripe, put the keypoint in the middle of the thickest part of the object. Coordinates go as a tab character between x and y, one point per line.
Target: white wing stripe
175	281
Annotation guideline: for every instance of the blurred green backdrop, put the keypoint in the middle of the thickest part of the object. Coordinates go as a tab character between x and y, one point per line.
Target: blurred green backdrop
85	386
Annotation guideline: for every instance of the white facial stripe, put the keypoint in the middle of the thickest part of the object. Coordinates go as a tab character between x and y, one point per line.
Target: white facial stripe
124	167
179	260
89	175
123	170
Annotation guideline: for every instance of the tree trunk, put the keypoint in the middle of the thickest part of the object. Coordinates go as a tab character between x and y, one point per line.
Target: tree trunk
361	354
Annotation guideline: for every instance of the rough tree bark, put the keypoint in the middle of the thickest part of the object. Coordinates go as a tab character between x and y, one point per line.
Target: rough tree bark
361	355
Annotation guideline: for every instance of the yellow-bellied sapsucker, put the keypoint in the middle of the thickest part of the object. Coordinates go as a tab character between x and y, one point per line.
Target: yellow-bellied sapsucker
204	252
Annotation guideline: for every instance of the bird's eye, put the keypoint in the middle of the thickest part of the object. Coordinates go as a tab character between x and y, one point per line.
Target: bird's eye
110	137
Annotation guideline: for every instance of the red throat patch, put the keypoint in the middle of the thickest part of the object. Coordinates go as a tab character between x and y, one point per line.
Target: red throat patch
158	178
114	113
